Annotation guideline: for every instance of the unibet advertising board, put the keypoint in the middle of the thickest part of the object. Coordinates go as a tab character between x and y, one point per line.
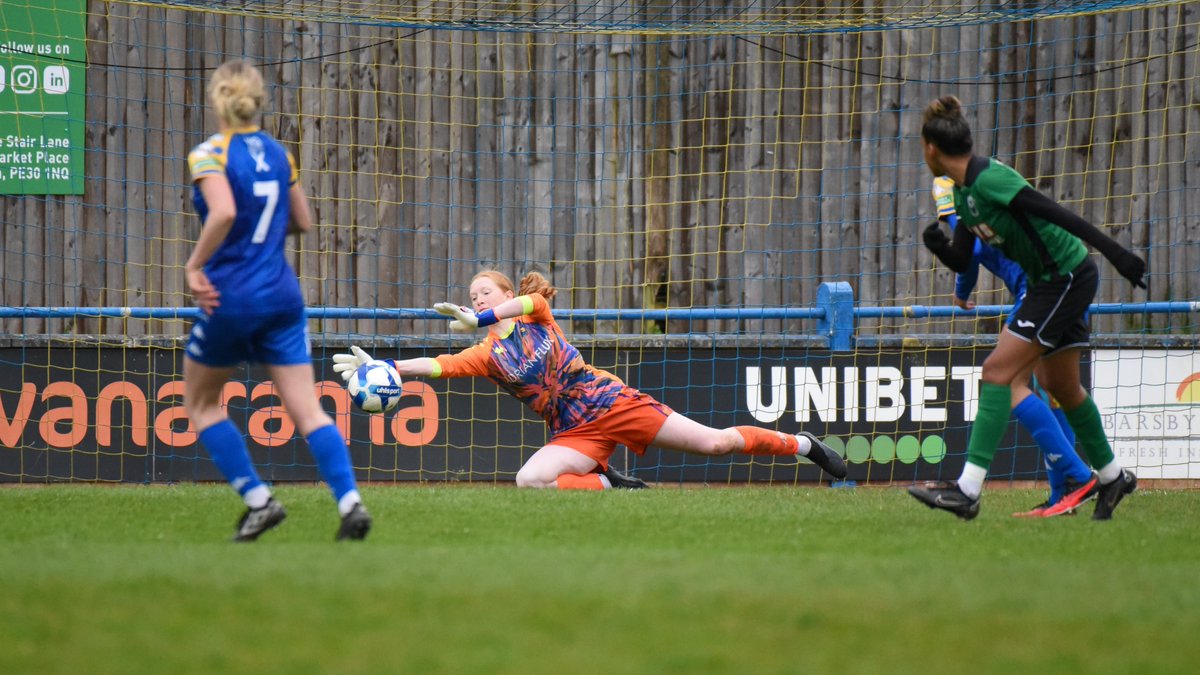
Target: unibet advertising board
42	77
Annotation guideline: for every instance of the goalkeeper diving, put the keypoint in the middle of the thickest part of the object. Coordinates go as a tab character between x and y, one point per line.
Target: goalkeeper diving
588	411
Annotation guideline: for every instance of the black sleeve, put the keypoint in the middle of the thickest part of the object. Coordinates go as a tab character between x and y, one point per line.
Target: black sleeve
1034	203
956	254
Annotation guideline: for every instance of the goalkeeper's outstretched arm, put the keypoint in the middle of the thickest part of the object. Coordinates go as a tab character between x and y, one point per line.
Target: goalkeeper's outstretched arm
466	320
511	309
345	364
470	362
421	367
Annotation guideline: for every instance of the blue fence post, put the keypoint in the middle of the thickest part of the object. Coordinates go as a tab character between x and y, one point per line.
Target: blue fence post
837	299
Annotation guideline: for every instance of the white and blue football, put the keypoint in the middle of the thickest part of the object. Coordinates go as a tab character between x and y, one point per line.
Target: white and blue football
375	387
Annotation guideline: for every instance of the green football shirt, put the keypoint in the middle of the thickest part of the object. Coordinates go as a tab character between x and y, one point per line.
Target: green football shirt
1042	249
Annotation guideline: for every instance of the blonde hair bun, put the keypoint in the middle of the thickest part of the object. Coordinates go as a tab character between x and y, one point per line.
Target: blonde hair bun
237	92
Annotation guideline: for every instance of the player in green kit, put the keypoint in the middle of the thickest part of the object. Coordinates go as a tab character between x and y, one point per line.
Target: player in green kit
999	207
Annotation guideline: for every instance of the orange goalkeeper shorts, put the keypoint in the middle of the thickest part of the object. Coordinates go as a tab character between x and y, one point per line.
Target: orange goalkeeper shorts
633	421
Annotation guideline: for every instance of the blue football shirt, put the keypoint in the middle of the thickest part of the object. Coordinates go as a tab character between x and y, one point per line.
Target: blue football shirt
249	268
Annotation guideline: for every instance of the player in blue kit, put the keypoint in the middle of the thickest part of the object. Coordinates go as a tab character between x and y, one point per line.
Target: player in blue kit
1071	481
246	191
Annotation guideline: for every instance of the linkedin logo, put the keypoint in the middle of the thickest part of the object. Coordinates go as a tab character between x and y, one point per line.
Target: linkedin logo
23	79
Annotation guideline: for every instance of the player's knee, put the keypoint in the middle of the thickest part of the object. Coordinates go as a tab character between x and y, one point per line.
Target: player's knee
993	373
531	477
202	412
1068	396
726	442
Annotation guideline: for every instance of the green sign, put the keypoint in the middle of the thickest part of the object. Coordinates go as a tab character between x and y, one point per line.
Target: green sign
43	72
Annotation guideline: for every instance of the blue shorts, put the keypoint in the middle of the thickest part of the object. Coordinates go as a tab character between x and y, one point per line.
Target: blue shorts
277	339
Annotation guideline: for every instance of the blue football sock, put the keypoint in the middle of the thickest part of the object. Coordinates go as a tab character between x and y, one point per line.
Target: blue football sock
227	448
1057	480
1068	432
1055	474
1059	473
1062	462
333	459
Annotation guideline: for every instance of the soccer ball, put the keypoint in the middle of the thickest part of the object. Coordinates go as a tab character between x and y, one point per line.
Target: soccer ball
375	387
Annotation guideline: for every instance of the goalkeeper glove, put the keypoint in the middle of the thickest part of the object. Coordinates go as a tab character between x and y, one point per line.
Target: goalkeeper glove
943	197
464	321
346	364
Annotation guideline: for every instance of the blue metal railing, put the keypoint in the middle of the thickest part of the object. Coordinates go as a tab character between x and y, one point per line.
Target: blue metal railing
834	312
942	311
746	313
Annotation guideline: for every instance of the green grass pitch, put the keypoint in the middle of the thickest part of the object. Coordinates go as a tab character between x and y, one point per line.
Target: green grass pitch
465	579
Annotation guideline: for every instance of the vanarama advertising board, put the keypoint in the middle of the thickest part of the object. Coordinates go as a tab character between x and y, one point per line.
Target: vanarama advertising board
43	74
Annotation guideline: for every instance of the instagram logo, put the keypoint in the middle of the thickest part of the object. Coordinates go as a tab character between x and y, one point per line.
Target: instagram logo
24	79
56	79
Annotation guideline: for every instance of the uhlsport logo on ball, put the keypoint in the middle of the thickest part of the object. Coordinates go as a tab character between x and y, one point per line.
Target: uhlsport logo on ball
375	387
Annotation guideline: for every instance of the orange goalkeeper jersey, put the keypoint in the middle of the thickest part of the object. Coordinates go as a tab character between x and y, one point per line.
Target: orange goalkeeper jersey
536	364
